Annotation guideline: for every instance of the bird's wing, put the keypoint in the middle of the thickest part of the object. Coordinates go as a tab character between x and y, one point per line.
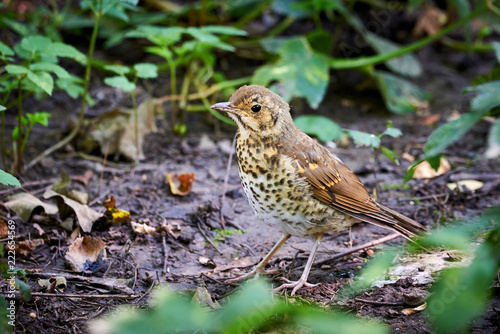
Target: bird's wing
337	186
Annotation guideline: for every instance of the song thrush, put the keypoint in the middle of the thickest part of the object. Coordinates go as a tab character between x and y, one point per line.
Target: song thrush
293	183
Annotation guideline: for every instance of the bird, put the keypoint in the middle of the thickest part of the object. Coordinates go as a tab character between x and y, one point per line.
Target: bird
293	183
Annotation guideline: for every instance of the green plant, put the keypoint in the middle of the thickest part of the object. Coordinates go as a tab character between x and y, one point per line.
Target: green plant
38	57
222	234
8	179
195	55
253	309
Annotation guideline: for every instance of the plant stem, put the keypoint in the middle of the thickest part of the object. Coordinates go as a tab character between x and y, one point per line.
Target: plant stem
253	14
78	125
173	90
136	119
17	159
340	63
2	141
282	26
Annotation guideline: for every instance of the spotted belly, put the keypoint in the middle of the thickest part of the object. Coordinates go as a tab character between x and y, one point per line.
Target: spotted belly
283	199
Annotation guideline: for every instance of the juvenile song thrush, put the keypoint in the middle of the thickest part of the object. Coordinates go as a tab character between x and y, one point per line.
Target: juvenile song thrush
293	183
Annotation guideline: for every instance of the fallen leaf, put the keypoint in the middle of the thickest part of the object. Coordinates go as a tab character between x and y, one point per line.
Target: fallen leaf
39	228
431	119
4	230
115	130
472	185
206	262
86	254
410	311
84	178
180	185
54	282
408	157
174	229
24	204
430	22
202	296
425	171
142	228
85	215
61	187
119	216
25	247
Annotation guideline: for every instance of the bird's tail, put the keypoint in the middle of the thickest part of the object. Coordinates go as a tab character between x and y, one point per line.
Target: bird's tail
402	224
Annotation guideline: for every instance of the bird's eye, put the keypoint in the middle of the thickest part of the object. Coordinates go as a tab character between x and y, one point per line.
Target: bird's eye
256	108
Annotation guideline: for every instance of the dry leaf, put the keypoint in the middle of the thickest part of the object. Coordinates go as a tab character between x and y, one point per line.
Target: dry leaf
85	215
119	216
410	311
202	296
174	229
54	282
23	204
86	254
431	119
472	185
25	247
430	22
4	230
142	228
39	228
408	157
115	130
180	185
84	178
425	171
206	262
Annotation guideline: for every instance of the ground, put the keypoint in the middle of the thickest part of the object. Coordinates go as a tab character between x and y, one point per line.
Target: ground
137	261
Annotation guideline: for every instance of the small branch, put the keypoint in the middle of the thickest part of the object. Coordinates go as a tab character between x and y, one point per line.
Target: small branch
72	295
208	239
226	179
357	248
373	302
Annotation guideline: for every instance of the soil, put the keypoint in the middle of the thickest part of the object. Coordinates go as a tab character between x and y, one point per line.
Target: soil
190	260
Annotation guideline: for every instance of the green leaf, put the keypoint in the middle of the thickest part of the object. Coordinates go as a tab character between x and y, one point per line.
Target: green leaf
42	80
392	132
496	47
49	67
17	69
400	95
319	126
39	118
407	65
146	70
66	51
158	35
224	30
36	44
461	294
202	36
301	71
2	108
493	150
272	45
120	82
291	8
364	139
24	289
117	69
5	50
393	156
8	179
5	327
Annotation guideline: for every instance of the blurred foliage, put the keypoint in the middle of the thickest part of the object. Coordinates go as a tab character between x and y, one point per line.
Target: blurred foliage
252	309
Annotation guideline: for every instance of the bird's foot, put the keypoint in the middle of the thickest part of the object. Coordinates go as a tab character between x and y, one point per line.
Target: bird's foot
295	285
257	271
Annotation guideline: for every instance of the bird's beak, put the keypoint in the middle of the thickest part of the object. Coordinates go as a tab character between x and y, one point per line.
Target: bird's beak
224	106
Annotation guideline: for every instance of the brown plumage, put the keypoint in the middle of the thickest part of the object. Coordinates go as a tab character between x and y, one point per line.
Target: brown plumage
293	183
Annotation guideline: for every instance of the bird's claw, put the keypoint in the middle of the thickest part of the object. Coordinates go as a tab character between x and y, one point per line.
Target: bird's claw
296	285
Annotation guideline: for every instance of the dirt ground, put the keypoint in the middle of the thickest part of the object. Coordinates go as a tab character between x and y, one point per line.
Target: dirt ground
135	262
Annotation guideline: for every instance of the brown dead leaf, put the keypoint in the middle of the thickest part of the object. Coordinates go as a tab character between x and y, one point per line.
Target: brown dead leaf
25	247
431	119
206	262
142	228
408	157
4	230
425	171
472	185
53	282
173	228
85	215
24	204
39	228
84	178
430	22
86	254
410	311
115	130
180	185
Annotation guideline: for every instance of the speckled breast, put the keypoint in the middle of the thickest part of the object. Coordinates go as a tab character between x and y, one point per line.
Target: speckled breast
278	195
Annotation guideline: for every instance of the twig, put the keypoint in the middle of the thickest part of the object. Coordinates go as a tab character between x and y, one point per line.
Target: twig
378	303
208	239
358	248
226	179
165	252
73	295
101	196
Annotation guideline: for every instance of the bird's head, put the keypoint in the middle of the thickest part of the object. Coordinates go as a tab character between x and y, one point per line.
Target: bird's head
257	109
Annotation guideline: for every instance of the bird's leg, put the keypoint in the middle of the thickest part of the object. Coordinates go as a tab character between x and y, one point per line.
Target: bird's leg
259	269
303	279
